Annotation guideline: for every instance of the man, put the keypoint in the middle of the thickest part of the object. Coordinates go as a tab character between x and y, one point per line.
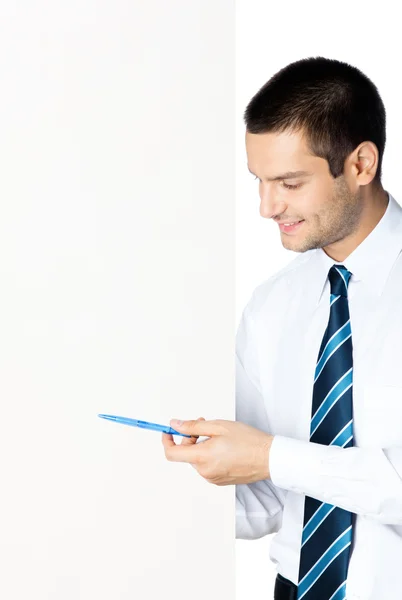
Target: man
316	449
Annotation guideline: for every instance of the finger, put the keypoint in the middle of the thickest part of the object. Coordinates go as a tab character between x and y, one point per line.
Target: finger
193	439
167	440
182	455
198	428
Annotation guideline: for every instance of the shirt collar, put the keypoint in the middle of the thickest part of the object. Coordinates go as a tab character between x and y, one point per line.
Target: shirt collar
372	261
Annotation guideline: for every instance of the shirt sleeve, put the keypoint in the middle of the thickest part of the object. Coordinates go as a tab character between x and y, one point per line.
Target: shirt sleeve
259	505
366	481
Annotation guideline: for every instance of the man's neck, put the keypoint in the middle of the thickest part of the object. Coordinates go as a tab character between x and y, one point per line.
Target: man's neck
375	205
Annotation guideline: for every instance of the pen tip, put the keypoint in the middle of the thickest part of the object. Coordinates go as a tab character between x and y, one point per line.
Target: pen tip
108	417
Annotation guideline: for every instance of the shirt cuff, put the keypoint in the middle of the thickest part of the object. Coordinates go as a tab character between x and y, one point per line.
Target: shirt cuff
297	465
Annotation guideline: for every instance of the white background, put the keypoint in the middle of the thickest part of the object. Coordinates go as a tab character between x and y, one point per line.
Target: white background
270	35
117	295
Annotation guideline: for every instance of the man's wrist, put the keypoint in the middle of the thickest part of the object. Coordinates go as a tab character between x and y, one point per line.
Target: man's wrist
266	451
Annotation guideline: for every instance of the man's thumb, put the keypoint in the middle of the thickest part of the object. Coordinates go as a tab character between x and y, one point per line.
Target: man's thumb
178	424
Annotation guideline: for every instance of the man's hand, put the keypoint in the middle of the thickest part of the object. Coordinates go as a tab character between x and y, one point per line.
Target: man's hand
234	453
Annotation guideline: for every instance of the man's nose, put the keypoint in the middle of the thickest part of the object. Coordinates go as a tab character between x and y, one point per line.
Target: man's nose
270	205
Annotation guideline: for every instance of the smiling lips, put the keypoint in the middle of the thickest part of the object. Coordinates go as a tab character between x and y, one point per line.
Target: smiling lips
290	228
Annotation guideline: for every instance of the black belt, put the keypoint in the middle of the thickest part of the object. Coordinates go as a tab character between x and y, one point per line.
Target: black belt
284	589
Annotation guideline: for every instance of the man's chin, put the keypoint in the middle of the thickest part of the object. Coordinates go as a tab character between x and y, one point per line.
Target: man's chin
297	245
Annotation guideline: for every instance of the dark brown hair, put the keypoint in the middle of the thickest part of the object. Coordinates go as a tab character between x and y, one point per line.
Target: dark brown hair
333	103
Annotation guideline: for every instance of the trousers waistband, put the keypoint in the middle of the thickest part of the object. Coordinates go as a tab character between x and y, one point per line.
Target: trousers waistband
284	589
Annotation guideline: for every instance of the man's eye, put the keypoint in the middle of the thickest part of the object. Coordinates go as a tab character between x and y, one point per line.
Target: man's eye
291	187
285	185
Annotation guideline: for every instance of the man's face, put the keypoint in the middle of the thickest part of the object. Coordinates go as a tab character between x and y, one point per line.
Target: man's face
329	210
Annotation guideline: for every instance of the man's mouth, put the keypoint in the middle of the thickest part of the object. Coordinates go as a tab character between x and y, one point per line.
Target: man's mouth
291	226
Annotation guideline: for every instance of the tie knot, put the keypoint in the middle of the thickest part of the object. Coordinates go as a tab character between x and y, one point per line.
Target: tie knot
339	278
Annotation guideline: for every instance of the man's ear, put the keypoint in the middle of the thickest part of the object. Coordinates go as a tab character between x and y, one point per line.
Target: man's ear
362	164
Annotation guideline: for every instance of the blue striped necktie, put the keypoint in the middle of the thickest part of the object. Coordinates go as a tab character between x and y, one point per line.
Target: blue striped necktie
327	529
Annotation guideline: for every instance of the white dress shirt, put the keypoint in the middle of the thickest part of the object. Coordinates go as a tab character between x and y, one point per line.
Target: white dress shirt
277	345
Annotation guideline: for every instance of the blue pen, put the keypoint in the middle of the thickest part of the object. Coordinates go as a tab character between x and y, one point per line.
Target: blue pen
143	424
